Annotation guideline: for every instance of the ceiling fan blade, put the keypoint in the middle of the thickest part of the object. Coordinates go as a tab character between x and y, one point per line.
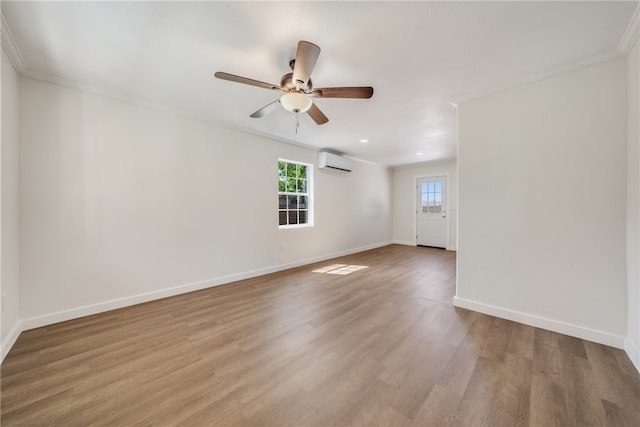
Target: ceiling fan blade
343	92
317	115
266	109
306	58
244	80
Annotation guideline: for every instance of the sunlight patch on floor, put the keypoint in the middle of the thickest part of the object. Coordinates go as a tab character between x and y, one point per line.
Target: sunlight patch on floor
341	269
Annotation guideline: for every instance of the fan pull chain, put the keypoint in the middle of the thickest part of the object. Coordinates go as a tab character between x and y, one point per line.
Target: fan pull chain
297	121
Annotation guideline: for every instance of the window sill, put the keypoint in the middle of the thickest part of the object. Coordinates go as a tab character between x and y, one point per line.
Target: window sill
281	227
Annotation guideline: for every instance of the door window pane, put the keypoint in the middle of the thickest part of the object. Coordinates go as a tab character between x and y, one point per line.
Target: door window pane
431	197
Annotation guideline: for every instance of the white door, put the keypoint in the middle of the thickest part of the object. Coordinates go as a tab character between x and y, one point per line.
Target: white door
432	212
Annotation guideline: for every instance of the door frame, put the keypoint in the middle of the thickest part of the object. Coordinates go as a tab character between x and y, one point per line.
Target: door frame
416	207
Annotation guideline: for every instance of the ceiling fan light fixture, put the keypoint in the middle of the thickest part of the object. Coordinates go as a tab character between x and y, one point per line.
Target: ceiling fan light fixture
296	102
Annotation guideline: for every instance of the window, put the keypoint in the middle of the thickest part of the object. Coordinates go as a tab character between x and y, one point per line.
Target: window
432	197
294	194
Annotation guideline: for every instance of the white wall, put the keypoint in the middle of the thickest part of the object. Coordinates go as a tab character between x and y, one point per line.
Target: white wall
633	205
405	199
120	203
9	204
542	196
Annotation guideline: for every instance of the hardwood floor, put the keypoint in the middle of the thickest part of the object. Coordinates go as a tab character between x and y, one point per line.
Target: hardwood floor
380	346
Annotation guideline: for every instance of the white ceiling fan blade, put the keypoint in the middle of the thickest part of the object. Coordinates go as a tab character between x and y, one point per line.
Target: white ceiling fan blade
266	109
306	58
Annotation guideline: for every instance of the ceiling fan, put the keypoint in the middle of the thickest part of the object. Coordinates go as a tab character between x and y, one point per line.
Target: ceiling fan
297	86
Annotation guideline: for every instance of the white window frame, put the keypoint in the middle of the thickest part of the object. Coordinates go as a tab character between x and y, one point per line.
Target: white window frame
308	194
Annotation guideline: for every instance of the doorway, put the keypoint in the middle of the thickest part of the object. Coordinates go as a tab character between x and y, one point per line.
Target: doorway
432	212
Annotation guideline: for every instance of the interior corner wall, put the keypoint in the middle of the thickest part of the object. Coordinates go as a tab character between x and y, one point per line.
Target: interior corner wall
633	205
405	199
542	196
9	205
121	204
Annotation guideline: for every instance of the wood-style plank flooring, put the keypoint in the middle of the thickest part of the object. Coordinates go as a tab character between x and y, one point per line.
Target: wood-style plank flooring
380	346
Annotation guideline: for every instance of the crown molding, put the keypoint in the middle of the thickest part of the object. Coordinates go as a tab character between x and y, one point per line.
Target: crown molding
531	78
447	161
85	88
11	47
358	159
624	47
631	33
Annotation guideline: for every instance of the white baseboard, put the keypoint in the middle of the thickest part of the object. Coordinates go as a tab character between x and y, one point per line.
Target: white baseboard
633	353
408	243
11	339
61	316
404	242
588	334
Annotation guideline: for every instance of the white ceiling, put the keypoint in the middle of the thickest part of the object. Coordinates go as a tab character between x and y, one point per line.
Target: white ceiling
418	56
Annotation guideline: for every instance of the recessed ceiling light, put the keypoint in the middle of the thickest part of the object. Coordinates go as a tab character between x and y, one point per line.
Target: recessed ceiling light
364	141
419	153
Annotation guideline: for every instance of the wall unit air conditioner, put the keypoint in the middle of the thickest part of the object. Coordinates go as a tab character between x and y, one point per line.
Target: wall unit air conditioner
328	160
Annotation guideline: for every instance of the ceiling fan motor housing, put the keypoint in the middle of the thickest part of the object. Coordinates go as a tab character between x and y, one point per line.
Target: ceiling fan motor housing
288	83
